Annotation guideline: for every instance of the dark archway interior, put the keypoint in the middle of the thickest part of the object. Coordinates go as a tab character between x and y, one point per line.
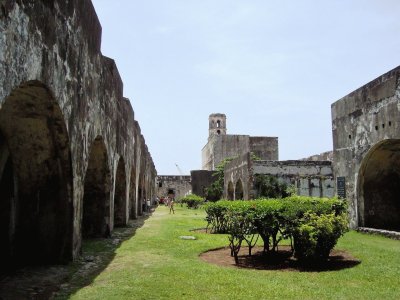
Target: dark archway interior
96	199
141	194
380	187
120	195
132	195
35	179
239	190
230	190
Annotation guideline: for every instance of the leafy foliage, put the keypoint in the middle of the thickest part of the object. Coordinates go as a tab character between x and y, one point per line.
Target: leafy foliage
314	224
317	235
269	187
192	201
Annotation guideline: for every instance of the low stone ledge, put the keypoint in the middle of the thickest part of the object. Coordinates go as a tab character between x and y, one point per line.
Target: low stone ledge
390	234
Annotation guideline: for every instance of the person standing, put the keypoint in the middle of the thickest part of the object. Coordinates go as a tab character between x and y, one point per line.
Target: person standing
171	205
148	202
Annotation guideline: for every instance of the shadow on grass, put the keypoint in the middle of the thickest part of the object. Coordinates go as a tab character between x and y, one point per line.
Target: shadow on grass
61	281
281	260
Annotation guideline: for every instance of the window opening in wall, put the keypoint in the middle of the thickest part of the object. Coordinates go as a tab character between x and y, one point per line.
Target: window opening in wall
376	127
170	191
383	125
349	136
390	123
160	184
218	132
218	124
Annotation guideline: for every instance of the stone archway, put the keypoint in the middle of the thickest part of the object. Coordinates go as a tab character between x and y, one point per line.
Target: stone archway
231	191
132	195
96	198
379	187
36	207
120	203
141	192
239	190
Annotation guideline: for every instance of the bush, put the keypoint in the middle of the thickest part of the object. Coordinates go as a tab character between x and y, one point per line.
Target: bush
317	235
192	200
216	216
313	224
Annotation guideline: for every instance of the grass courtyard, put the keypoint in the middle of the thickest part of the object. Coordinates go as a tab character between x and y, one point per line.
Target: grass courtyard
156	264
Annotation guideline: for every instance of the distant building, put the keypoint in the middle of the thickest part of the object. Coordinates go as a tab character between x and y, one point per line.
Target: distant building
221	145
173	185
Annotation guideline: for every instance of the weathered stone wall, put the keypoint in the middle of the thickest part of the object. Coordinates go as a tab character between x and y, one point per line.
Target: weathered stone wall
220	147
229	146
311	178
365	127
238	179
265	148
180	185
325	156
201	179
62	113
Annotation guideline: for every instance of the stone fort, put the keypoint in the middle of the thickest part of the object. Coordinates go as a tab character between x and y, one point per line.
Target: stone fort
74	164
73	161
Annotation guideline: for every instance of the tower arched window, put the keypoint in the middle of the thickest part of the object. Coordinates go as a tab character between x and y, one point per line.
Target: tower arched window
218	124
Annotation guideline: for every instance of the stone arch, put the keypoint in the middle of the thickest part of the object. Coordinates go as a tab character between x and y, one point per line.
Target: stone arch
141	194
96	198
36	205
120	203
231	191
239	190
379	186
132	194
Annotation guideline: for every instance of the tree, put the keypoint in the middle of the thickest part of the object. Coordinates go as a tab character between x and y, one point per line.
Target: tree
268	186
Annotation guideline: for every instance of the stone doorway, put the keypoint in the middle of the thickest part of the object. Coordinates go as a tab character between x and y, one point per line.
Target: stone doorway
36	207
96	198
379	187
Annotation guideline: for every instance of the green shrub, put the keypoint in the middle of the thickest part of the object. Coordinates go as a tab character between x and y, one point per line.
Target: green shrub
216	216
317	235
192	201
313	224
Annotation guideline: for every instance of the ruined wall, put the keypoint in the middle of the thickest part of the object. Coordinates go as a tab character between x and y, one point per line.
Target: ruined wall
365	127
238	178
220	147
201	179
265	148
328	156
311	178
62	113
207	155
180	185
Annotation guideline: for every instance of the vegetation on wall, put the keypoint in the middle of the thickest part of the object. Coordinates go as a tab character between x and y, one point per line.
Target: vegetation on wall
215	191
267	186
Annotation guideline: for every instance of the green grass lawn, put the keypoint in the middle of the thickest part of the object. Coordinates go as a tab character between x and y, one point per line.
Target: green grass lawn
156	264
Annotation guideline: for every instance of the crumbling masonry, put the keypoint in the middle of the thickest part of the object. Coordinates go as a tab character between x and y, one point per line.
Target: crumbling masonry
73	162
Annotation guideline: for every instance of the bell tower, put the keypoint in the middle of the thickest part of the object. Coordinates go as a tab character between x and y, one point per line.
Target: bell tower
216	125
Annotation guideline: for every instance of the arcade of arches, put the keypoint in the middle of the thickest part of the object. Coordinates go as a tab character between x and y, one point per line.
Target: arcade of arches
235	193
35	178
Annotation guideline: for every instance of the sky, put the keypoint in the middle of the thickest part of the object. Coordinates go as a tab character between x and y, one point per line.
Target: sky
273	67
